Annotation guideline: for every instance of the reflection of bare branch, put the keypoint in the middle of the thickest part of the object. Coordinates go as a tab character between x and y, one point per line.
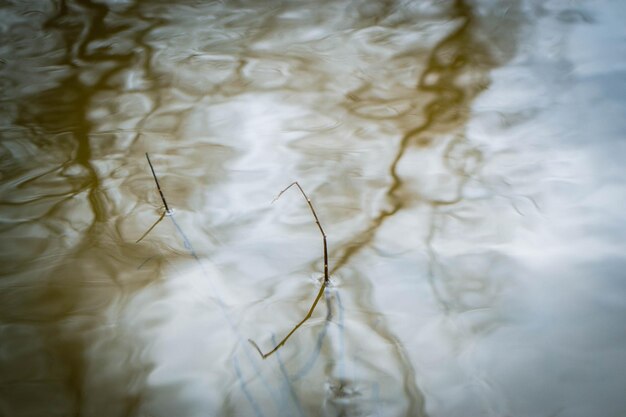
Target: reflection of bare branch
324	284
446	113
459	54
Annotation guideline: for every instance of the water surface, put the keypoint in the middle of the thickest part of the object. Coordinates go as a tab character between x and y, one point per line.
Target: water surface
464	158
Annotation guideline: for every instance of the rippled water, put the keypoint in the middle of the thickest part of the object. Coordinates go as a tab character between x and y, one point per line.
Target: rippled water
464	158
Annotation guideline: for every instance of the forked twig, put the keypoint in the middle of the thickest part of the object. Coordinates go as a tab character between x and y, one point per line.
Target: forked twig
167	208
324	284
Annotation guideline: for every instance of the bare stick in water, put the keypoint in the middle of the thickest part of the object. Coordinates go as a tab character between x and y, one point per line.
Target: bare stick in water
325	283
167	208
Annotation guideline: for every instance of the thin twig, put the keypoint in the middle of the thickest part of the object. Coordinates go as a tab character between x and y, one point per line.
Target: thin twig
324	284
167	208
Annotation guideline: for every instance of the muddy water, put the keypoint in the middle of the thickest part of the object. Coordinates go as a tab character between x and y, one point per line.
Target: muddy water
462	156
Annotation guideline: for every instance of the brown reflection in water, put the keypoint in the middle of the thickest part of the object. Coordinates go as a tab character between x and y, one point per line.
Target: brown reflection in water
457	71
63	296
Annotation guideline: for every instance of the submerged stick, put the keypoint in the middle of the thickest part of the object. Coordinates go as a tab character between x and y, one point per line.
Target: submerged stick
167	209
324	284
151	227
